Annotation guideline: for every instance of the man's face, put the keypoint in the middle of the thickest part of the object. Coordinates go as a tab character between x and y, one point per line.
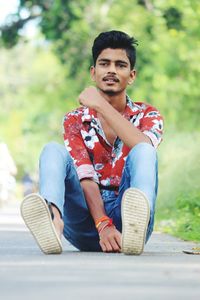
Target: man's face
112	72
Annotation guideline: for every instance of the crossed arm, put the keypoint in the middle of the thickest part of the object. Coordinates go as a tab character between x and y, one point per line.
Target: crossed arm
129	134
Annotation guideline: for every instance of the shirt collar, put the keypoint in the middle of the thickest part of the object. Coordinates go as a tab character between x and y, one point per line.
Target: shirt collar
131	109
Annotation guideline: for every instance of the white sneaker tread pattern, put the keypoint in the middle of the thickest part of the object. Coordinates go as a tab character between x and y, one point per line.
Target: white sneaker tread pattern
37	218
135	218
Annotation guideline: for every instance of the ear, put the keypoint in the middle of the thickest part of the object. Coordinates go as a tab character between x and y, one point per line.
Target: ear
92	73
132	76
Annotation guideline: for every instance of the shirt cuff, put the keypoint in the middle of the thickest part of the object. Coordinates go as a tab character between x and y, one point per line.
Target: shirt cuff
155	141
87	171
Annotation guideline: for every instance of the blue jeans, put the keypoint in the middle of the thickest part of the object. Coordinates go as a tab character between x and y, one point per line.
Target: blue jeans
60	185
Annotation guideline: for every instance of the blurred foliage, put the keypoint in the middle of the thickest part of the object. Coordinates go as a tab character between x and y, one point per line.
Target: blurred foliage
168	53
34	97
178	206
41	78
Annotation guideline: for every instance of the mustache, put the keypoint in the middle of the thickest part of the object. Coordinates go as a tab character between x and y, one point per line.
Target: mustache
110	78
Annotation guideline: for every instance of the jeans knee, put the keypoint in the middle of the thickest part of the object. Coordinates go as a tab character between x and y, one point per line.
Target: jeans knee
145	150
52	147
53	150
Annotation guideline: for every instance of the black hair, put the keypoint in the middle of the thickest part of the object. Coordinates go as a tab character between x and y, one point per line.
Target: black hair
115	40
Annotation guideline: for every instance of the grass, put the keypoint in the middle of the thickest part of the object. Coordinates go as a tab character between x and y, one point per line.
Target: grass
178	205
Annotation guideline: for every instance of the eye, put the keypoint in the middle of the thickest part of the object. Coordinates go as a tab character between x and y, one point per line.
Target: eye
122	65
103	63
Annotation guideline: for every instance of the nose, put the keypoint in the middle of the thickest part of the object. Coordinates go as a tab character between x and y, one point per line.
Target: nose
112	69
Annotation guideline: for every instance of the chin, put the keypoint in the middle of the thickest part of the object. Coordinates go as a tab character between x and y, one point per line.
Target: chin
109	91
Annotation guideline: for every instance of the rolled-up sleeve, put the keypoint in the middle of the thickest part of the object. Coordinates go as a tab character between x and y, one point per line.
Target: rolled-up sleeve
152	125
76	147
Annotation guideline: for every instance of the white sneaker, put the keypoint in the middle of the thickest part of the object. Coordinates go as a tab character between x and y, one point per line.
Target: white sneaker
135	219
36	215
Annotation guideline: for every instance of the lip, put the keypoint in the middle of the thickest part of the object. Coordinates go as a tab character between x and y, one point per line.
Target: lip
110	79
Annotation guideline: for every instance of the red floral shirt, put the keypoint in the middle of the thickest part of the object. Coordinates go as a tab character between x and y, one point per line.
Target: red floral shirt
93	155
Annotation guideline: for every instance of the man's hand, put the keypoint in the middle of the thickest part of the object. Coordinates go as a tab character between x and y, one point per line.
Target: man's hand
110	239
91	97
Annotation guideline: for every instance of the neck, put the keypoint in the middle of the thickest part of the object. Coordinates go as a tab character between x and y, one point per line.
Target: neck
118	101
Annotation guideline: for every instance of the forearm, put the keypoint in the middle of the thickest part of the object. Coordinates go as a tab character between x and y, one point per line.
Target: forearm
93	198
128	133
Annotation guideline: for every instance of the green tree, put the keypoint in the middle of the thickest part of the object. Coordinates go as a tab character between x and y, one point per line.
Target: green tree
34	97
168	53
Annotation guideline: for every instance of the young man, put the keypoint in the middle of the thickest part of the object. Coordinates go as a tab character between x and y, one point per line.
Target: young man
100	191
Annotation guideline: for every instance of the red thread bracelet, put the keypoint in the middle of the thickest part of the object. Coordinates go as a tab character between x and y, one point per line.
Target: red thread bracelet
101	220
109	224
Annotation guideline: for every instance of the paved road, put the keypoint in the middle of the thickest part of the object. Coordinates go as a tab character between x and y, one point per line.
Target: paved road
161	272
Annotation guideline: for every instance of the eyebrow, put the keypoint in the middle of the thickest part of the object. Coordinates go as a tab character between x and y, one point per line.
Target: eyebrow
108	60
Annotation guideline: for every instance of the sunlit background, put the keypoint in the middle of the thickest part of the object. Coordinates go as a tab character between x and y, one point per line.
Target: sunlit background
45	54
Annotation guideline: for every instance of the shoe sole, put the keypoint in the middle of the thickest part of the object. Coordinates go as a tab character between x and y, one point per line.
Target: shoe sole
37	218
135	218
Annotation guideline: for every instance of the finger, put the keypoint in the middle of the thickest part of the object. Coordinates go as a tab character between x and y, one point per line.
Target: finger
118	239
114	245
108	246
115	240
103	247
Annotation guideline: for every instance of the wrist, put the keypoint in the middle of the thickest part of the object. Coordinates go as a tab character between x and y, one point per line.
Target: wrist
100	102
105	225
100	221
102	105
102	225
